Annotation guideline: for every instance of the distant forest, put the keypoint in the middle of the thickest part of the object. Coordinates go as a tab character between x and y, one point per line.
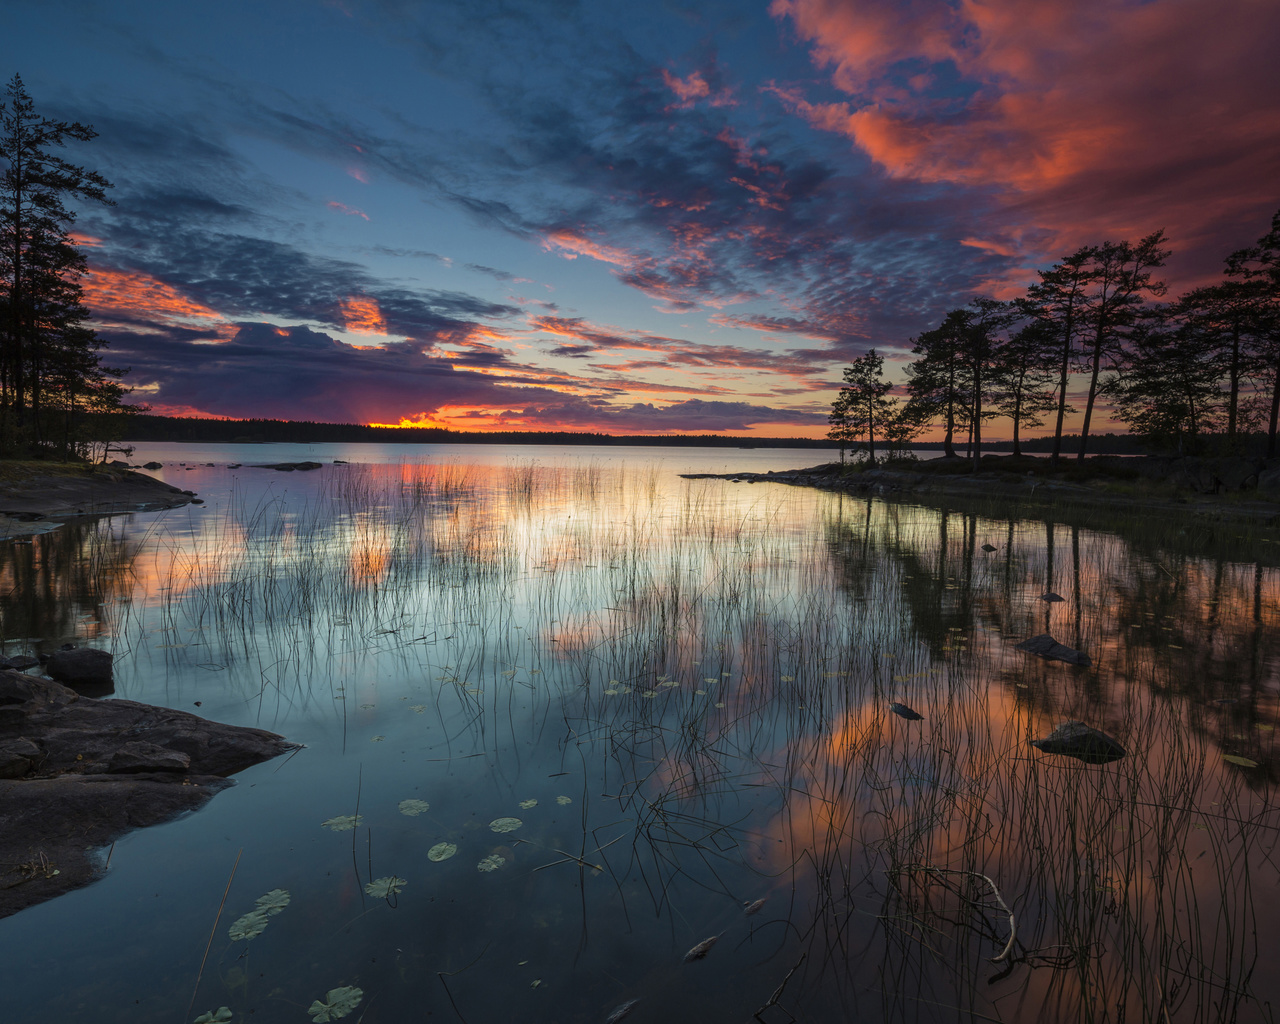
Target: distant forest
181	428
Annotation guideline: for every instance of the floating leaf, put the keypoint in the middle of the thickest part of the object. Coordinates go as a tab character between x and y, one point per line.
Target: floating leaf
701	949
377	739
1243	762
219	1016
343	822
788	679
338	1002
710	679
273	902
248	927
564	801
670	682
505	824
621	1011
491	862
526	804
509	673
417	709
753	908
700	693
442	851
382	888
720	704
413	807
611	692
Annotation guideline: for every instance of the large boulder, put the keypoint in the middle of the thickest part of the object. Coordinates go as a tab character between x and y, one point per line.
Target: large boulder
81	666
76	773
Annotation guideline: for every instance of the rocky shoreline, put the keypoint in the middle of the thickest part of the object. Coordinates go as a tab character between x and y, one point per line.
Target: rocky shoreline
36	499
1226	489
76	773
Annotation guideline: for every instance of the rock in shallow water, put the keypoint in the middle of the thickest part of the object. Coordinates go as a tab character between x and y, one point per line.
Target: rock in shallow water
1075	739
80	666
1047	647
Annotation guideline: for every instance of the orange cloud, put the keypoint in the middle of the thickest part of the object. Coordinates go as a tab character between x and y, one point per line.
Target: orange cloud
115	294
694	87
361	315
1109	121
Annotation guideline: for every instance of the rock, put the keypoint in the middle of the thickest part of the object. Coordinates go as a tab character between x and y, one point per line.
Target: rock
18	757
1075	739
1047	647
82	734
286	467
1051	597
20	661
148	757
81	666
902	711
77	773
153	465
988	547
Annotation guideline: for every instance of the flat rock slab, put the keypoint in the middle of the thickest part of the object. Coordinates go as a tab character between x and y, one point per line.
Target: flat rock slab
76	773
40	500
286	467
1047	647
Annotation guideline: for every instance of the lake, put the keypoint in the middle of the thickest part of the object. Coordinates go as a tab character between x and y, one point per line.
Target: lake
568	716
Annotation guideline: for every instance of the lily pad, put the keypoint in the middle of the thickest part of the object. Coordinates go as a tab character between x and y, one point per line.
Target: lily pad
338	1002
526	804
385	887
413	807
491	862
505	824
343	822
564	801
219	1016
248	927
1243	762
442	851
273	902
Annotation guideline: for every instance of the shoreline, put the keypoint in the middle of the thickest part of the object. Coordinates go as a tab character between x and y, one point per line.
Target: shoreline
1028	494
38	497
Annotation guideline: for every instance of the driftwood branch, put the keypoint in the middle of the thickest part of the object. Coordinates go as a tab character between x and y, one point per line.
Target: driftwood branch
995	891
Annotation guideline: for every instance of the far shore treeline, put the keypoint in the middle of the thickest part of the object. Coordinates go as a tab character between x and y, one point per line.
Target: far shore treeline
194	429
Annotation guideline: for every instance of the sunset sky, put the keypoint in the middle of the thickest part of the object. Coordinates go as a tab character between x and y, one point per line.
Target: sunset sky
635	218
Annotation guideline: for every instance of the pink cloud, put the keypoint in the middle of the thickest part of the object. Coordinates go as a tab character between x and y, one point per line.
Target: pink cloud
350	211
1103	121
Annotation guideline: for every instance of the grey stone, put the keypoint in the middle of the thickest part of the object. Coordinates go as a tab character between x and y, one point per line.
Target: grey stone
148	757
20	662
18	757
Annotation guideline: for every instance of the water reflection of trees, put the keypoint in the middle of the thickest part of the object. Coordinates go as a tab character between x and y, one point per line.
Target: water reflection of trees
1119	911
56	588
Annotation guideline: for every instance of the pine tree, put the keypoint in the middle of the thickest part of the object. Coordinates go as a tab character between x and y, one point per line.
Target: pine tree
42	334
1058	300
937	382
1024	376
861	409
1258	268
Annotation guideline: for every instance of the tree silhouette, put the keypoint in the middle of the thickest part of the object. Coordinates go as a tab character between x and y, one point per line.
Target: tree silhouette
45	349
861	409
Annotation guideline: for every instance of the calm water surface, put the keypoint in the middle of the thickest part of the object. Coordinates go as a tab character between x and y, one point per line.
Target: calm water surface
680	691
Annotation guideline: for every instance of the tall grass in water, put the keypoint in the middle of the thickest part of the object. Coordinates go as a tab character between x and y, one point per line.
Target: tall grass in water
716	666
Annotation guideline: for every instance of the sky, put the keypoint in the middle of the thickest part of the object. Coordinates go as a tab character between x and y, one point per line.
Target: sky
682	216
